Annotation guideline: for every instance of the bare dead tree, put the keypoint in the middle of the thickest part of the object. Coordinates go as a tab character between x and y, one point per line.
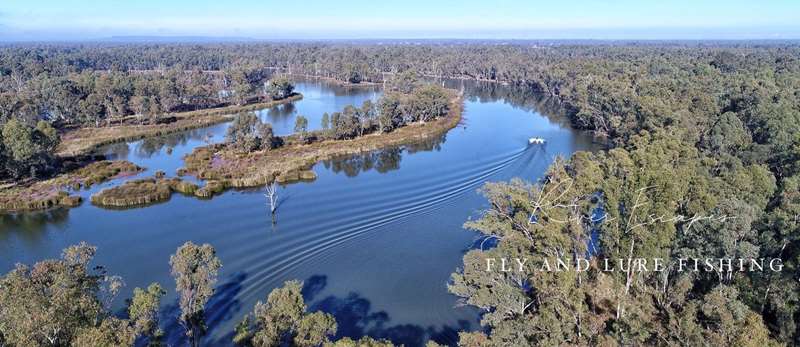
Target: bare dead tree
272	198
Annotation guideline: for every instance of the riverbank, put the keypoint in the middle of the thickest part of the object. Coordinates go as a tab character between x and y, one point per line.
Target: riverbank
85	140
222	167
40	195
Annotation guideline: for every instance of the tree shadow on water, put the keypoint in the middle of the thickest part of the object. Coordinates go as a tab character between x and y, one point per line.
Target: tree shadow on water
355	319
221	307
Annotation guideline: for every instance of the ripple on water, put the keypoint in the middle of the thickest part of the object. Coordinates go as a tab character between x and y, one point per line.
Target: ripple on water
375	248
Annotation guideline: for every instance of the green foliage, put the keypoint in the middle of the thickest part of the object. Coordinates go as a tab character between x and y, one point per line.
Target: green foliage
326	122
301	126
390	115
283	320
248	133
27	151
365	341
61	302
404	82
367	115
427	103
195	270
49	303
143	311
393	110
111	332
697	128
345	125
279	87
18	139
632	184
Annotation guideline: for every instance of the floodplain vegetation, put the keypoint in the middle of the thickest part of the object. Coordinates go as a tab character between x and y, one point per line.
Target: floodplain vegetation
253	156
697	128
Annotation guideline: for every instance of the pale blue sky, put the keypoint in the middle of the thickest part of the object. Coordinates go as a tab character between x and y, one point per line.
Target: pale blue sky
310	19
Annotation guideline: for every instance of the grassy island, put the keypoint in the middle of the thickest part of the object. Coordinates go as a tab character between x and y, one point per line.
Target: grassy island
226	166
38	195
142	192
85	140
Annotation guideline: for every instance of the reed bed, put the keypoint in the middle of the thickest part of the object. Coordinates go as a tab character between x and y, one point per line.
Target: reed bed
142	192
44	194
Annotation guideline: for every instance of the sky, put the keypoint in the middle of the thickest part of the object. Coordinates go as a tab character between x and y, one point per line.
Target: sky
426	19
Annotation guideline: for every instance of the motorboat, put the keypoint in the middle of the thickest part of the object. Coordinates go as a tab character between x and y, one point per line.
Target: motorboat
536	141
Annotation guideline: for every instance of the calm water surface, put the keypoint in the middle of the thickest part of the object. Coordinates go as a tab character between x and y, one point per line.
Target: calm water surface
374	238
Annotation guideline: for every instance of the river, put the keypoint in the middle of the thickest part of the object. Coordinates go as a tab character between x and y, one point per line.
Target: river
374	238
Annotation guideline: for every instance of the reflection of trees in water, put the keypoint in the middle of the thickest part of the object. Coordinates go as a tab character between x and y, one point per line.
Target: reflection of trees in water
427	145
340	91
523	98
281	112
382	160
356	318
32	225
117	150
337	89
149	146
153	145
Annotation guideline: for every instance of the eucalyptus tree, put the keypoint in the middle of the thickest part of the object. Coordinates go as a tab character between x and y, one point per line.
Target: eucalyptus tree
283	320
143	311
325	123
366	117
28	151
301	127
279	87
195	269
390	114
62	302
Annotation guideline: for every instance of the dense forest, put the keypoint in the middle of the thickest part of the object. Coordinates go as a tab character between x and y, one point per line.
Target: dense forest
695	129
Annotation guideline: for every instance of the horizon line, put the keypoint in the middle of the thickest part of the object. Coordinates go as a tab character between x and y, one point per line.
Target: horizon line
247	39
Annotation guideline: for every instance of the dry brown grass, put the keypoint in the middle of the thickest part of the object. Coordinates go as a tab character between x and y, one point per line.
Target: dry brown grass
38	195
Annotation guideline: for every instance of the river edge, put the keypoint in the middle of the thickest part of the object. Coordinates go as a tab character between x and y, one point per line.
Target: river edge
84	141
78	145
45	194
222	168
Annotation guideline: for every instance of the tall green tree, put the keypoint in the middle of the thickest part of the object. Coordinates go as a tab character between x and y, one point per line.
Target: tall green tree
195	269
301	127
28	150
143	311
283	320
